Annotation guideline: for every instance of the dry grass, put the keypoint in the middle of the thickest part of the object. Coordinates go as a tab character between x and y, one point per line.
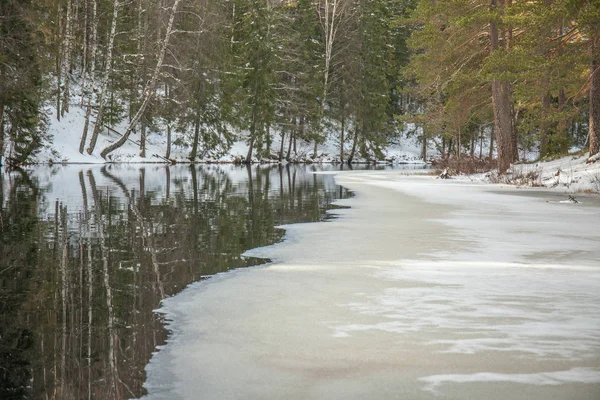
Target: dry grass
465	165
520	177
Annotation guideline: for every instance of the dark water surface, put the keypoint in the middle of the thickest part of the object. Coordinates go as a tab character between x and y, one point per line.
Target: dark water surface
88	252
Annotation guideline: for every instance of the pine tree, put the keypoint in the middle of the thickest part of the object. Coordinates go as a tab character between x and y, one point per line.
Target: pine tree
254	57
21	129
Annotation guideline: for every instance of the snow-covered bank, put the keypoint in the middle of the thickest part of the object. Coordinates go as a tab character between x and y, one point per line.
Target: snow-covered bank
571	174
423	289
66	135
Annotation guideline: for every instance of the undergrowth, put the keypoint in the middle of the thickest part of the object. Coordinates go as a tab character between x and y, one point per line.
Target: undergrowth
465	165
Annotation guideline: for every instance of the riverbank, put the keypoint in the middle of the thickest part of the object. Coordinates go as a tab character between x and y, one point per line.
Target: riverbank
423	288
62	146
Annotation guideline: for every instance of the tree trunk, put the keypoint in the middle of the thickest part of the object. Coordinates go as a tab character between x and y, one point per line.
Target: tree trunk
594	124
84	57
514	117
92	67
280	156
492	135
459	144
481	142
168	182
67	57
143	139
354	143
107	71
252	134
443	147
545	129
149	89
424	146
268	140
194	152
292	136
168	153
501	104
342	134
562	129
301	132
503	124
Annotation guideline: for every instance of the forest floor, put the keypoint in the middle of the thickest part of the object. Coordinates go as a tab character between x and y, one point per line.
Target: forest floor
65	137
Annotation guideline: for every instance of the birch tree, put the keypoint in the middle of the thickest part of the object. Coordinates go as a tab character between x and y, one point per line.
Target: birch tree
107	70
150	85
332	14
91	65
66	59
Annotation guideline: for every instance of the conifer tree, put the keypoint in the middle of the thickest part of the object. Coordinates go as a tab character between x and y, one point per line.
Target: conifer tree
21	73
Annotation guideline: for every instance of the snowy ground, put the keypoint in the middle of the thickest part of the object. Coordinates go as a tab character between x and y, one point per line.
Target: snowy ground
66	135
423	289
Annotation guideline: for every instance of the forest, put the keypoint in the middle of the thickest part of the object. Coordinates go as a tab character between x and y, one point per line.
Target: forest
519	75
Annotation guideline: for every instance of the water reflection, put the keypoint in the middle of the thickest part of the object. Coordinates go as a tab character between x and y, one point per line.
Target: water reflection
87	254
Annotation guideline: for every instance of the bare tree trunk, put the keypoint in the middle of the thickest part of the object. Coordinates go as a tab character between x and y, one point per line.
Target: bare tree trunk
280	155
443	147
149	89
501	92
424	145
546	126
292	135
481	128
268	140
594	124
107	71
503	124
84	67
472	149
194	152
167	182
492	135
354	144
331	15
252	134
342	139
459	144
143	139
562	129
67	57
92	67
168	153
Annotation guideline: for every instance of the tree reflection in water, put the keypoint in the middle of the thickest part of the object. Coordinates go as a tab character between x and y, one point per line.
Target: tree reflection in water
87	254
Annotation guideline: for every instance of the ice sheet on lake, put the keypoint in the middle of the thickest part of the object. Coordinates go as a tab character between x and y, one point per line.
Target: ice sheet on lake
422	289
540	310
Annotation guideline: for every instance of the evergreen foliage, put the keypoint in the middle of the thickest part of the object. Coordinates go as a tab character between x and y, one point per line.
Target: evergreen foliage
306	69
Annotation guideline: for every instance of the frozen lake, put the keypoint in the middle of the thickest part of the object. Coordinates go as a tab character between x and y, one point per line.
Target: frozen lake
423	289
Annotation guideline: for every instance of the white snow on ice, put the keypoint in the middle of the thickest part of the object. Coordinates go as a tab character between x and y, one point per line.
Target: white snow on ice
423	288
